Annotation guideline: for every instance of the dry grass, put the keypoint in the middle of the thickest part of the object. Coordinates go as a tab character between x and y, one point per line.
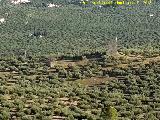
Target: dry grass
122	66
65	63
95	80
3	74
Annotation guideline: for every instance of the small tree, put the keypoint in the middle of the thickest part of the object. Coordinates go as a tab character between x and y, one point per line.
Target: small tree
70	117
110	113
4	115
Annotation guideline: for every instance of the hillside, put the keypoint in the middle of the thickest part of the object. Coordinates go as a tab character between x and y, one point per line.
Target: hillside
74	29
121	88
73	60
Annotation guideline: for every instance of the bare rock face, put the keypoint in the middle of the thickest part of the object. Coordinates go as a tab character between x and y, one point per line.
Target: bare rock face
51	62
19	1
2	20
53	5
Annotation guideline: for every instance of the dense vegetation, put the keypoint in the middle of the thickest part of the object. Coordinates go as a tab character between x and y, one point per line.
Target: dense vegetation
79	61
95	88
76	29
